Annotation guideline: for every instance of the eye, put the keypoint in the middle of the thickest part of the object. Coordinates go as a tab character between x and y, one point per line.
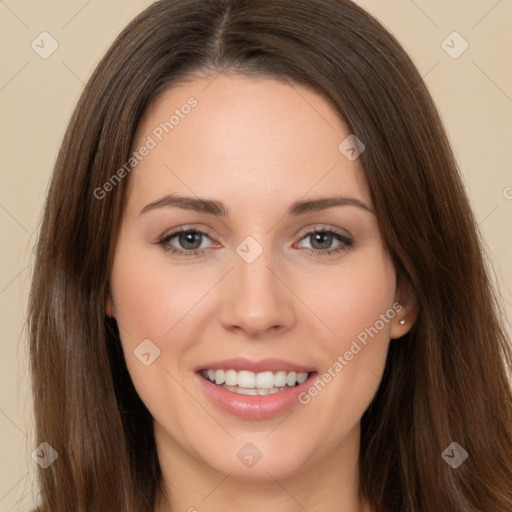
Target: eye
322	240
189	239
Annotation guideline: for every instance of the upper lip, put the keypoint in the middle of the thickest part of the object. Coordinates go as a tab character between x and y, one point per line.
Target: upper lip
262	365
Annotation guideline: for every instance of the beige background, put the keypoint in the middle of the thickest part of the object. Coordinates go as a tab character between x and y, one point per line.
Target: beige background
473	94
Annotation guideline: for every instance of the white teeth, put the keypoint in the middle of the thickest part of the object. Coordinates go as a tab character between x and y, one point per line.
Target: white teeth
280	379
256	391
231	378
220	376
245	391
262	383
291	378
302	377
265	380
246	379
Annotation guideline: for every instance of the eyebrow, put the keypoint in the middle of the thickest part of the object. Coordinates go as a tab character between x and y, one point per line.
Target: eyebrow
219	209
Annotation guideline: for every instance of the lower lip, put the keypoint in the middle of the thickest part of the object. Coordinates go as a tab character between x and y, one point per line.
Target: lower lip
253	407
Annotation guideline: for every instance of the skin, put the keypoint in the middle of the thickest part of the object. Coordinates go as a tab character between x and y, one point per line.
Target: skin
256	145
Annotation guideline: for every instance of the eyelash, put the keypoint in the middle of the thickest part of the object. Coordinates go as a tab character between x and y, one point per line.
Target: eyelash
347	243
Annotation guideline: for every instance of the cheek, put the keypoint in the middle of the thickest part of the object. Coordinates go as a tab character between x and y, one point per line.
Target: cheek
149	297
141	289
151	302
352	299
357	308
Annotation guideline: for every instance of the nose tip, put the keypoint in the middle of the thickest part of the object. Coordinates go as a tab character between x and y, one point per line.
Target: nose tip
256	300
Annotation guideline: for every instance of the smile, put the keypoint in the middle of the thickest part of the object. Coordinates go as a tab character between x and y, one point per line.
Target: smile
254	390
246	382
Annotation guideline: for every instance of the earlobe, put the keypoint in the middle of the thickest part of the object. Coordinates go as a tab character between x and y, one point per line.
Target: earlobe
407	311
401	325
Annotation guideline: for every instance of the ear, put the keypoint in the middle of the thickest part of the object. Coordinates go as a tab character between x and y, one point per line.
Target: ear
406	307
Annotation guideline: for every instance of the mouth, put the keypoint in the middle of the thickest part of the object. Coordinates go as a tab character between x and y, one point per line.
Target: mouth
246	382
254	390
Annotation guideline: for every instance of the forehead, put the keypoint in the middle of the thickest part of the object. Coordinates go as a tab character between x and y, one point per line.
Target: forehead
245	139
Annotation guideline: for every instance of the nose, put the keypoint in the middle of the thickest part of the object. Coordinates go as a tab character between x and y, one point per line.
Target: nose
257	299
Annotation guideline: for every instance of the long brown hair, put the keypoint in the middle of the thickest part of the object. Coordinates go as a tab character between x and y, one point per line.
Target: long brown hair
446	381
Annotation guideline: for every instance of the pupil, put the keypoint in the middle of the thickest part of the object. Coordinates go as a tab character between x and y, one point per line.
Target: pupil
190	238
327	242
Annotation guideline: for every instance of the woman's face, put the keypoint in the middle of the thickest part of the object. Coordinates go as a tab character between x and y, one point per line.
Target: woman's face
281	275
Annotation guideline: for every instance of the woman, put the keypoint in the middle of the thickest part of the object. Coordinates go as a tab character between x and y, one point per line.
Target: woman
364	371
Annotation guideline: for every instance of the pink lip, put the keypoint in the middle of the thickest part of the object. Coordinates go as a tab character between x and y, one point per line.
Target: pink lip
249	406
253	407
263	365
